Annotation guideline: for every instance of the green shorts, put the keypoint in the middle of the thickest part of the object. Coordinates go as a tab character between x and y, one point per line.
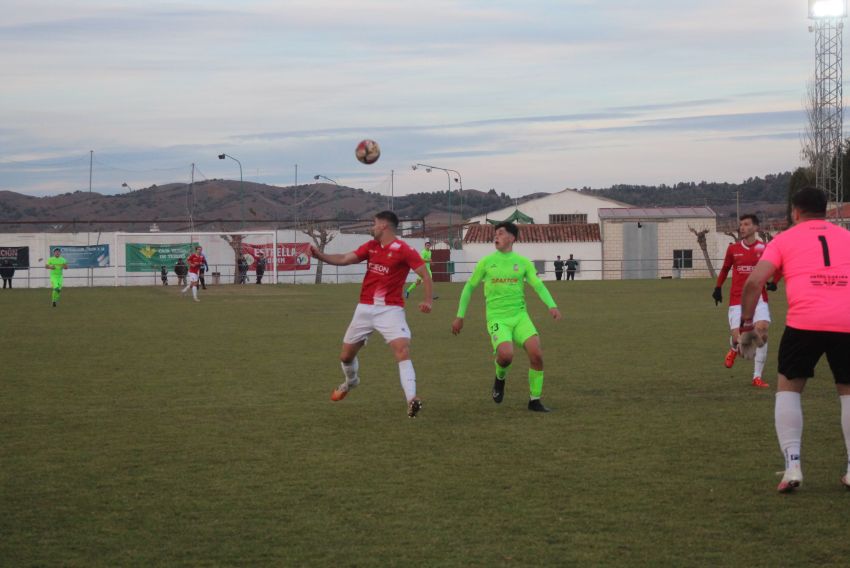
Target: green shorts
56	282
518	328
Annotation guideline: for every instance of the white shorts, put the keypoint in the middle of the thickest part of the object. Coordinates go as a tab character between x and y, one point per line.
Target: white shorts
388	320
193	277
762	314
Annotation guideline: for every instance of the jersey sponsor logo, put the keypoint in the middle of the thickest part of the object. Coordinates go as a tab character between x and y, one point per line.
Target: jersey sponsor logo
504	280
829	280
378	268
744	268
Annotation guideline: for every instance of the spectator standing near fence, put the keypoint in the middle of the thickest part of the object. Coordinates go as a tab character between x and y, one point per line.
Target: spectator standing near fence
180	269
572	266
261	267
7	271
163	275
559	268
203	270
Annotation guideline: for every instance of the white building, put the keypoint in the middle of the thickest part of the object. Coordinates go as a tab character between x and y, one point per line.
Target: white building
564	223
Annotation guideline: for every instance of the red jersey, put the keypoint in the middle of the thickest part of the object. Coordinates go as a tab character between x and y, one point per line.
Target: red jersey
195	261
386	271
742	258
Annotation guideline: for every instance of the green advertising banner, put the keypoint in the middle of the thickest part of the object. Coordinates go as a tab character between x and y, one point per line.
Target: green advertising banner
144	257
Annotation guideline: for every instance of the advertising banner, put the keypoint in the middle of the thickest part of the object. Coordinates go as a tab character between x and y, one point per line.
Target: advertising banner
290	256
20	256
144	257
85	256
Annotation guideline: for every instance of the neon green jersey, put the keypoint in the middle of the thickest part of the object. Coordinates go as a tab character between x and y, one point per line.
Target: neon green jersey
56	263
426	256
504	275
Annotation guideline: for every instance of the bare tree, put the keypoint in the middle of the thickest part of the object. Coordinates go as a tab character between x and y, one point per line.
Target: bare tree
321	235
235	242
703	244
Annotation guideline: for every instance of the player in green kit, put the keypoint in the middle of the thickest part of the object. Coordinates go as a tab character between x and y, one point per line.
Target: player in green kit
56	264
426	256
504	274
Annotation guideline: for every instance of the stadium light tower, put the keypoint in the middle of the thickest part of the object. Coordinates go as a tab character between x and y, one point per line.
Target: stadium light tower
458	179
827	24
241	186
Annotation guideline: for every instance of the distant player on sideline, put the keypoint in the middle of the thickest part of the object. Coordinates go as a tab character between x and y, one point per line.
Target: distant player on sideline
426	256
195	262
56	264
381	305
504	274
742	256
814	257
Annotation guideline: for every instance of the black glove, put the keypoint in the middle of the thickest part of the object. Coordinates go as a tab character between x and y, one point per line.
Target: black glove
717	295
771	286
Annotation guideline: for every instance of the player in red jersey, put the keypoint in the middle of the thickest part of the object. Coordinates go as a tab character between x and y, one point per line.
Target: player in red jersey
381	306
814	257
741	257
195	262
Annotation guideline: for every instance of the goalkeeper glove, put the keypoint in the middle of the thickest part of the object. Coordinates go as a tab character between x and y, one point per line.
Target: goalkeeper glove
771	286
717	295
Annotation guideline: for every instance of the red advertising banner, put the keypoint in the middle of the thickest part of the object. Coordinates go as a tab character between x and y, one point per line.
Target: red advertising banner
290	256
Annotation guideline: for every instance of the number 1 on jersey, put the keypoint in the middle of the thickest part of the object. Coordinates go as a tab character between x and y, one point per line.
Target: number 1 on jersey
825	248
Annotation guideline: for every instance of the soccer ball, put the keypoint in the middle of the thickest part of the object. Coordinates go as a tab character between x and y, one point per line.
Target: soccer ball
368	151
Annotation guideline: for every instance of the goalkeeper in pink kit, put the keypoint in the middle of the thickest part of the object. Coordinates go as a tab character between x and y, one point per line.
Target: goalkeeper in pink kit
814	258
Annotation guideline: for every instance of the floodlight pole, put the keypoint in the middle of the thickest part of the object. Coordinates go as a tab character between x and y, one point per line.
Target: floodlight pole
827	24
449	173
241	186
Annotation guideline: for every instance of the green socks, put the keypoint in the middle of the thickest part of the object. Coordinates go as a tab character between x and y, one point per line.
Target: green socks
501	372
535	383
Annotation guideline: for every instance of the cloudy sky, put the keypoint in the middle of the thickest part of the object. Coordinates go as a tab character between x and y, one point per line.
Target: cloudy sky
520	95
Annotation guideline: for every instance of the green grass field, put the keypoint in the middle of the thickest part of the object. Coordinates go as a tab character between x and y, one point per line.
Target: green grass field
140	428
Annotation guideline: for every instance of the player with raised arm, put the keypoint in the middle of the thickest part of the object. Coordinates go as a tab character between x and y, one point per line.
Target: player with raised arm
504	274
381	305
741	257
195	261
814	257
56	264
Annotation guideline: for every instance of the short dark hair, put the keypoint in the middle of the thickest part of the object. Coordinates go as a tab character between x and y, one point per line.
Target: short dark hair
389	217
810	201
752	217
509	227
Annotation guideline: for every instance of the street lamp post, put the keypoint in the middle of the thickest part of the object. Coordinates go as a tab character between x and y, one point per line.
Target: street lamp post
241	186
458	179
125	184
317	177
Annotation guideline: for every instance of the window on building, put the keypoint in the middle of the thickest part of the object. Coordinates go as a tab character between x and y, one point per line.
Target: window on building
568	219
683	258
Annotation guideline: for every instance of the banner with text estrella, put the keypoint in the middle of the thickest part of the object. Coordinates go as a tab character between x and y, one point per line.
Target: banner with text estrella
290	256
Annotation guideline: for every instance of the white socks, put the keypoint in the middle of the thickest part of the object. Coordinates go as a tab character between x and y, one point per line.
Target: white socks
845	425
761	357
788	415
195	292
408	378
350	372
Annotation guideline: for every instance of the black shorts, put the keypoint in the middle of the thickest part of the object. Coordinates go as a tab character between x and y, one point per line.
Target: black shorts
801	349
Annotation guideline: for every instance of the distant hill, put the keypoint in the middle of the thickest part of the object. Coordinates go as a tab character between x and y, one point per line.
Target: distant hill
216	205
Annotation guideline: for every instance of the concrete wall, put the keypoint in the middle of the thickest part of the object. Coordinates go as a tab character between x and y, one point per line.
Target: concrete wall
219	256
567	201
588	254
673	234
